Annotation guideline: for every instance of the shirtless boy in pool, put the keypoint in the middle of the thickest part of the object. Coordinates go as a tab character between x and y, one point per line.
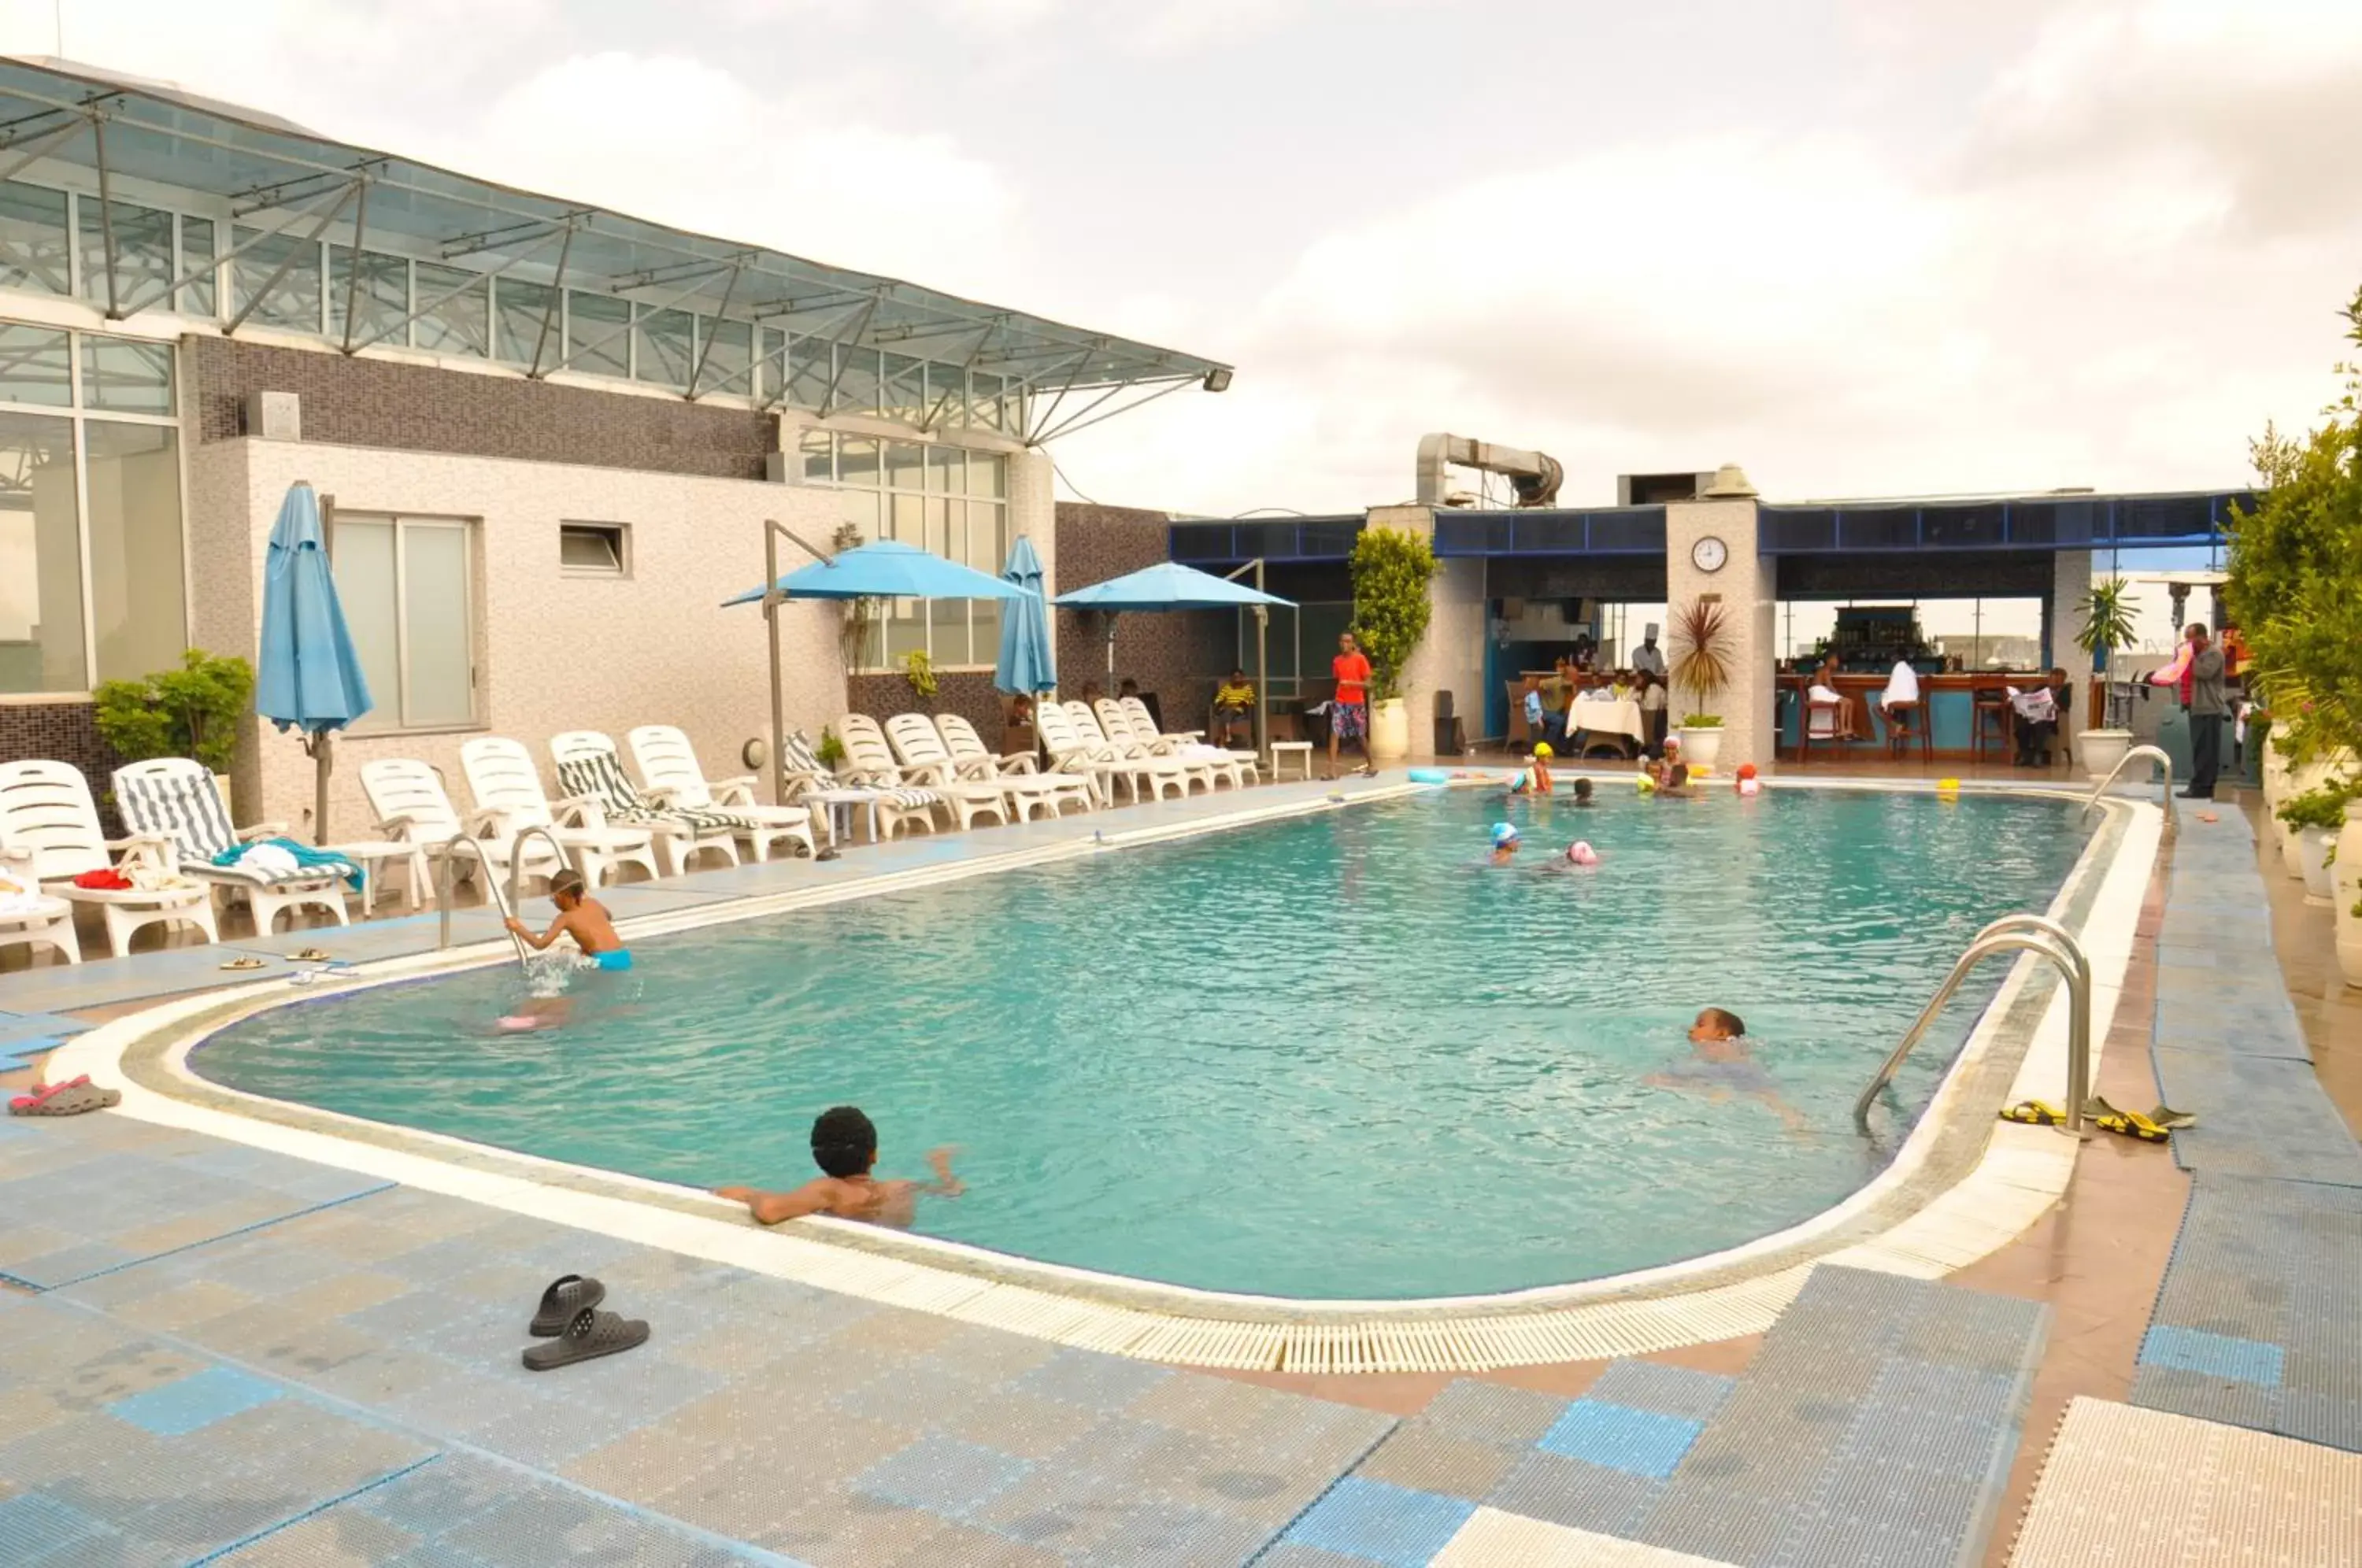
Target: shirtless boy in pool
1723	1068
844	1146
584	919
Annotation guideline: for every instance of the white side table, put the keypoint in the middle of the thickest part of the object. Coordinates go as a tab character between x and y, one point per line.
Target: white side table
841	804
1300	750
374	857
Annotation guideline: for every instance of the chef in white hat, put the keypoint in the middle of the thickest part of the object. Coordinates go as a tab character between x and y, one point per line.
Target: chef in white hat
1646	656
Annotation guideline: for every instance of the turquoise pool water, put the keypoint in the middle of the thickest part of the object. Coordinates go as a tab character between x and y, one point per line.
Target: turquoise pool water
1332	1056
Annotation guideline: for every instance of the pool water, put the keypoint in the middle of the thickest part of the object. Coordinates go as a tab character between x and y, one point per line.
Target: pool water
1331	1056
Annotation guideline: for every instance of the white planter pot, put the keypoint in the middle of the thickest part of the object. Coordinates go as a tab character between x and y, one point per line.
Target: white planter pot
2275	789
2101	750
1701	748
2345	888
2312	853
1389	731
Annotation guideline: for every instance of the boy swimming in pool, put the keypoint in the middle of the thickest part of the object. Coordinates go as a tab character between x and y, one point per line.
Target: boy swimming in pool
844	1146
584	919
1723	1068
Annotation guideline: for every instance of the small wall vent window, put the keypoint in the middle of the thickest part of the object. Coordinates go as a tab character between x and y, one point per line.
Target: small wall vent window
592	549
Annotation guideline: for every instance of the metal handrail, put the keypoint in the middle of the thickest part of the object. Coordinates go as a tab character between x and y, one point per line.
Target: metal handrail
2124	761
2012	933
445	879
516	860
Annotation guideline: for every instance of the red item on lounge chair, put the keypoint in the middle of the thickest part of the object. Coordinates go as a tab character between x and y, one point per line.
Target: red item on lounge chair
108	882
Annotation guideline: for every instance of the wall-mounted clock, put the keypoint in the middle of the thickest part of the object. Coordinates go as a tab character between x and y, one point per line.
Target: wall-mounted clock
1709	553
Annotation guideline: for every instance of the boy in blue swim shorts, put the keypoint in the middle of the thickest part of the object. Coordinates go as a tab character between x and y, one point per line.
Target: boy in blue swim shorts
584	919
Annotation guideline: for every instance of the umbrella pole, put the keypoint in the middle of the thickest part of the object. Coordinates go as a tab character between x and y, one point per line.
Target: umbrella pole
1110	681
1262	669
771	629
322	764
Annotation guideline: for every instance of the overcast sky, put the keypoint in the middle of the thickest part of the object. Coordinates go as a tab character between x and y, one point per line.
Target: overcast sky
1859	246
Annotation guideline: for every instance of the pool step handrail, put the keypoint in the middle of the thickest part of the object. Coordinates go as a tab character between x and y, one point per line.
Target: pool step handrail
445	877
2012	933
516	865
2155	755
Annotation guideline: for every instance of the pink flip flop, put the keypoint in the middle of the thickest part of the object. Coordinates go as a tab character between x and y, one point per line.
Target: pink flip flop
43	1091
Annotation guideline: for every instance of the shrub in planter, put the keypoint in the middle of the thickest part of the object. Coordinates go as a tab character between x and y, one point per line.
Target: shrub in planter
190	711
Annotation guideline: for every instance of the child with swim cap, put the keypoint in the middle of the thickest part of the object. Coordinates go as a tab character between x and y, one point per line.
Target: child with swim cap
1747	783
1505	843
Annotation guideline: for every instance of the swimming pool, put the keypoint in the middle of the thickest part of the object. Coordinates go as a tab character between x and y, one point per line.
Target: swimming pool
1332	1056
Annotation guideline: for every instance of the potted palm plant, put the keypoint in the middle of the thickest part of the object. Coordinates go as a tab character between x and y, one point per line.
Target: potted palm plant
1391	570
2107	614
1701	668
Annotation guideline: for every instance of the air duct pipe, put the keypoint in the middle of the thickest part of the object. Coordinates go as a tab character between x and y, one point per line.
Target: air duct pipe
1535	476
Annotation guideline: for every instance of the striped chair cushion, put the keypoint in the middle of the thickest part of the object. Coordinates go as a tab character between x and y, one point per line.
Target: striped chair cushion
796	749
598	775
187	810
912	798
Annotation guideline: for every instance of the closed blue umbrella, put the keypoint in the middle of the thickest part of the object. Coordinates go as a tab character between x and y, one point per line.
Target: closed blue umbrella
311	678
1027	665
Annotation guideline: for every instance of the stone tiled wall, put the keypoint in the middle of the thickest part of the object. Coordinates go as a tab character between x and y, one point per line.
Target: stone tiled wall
60	732
556	652
420	408
1180	657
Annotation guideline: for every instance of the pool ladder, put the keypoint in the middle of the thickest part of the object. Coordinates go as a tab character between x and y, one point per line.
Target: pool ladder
2154	754
446	874
2012	934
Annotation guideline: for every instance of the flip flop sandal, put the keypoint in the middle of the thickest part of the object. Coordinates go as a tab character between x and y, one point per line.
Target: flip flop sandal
2035	1113
244	964
567	1296
2126	1123
589	1336
74	1099
311	956
2165	1116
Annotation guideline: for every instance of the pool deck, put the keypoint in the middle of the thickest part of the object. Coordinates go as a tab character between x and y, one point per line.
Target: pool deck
212	1351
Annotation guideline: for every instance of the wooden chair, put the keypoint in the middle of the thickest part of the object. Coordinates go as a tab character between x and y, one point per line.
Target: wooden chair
1830	723
1902	719
1990	703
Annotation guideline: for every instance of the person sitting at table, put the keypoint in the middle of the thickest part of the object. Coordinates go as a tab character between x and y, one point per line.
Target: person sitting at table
2038	713
1902	691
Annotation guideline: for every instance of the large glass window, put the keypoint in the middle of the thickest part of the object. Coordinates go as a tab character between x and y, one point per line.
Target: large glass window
143	252
666	347
293	302
729	350
519	313
138	614
458	317
598	335
197	251
41	643
34	254
380	298
92	584
407	585
941	498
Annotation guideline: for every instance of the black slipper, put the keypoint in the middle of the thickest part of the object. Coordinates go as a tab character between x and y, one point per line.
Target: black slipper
589	1336
566	1297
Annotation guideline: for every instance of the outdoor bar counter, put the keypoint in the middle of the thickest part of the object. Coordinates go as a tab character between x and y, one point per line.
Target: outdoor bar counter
1950	698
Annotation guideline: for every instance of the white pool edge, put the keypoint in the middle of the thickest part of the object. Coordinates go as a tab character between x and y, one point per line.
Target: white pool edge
2021	1172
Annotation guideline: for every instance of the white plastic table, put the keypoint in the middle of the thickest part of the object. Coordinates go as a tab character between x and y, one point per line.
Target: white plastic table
842	803
1301	750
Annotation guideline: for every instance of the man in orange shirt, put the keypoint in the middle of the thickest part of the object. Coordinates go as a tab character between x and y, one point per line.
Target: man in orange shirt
1349	715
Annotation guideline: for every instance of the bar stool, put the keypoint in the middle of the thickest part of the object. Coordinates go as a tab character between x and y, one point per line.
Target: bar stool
1990	703
1902	718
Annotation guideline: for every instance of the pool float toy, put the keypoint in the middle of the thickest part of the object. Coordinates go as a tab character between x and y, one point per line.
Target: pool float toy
1699	771
1504	832
1430	776
1646	785
1579	852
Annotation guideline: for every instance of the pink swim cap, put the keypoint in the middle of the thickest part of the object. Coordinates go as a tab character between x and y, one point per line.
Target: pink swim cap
1579	852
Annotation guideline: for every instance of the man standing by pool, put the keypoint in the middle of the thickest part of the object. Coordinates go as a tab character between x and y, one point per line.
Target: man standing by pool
2206	710
1349	715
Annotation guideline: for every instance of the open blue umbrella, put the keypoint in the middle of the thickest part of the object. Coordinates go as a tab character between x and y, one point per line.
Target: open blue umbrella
886	569
1027	665
311	678
1169	585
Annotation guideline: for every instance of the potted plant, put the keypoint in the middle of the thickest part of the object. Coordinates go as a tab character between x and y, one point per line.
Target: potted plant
2345	891
2107	614
1391	570
1701	666
190	711
2313	819
830	749
920	671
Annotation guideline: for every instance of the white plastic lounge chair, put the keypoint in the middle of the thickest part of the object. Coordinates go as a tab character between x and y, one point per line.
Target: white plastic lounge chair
411	806
867	750
49	834
1116	724
1064	785
173	798
669	774
587	768
1071	753
1145	768
920	746
30	918
501	777
1129	718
